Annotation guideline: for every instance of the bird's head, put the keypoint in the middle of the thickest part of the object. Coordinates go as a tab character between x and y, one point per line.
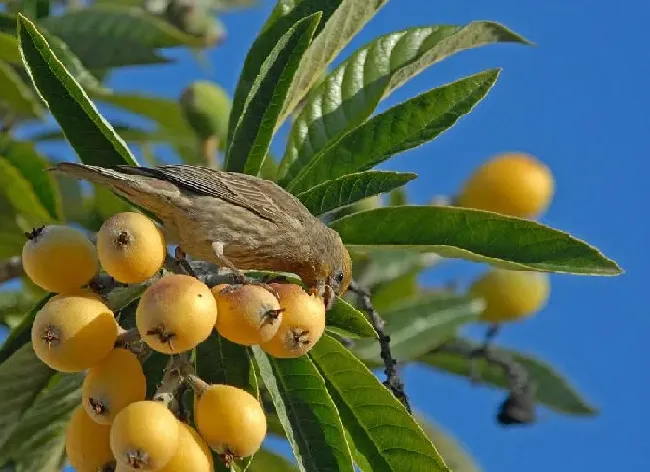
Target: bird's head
337	271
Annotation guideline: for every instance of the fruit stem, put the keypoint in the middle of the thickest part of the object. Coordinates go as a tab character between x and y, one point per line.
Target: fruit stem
127	336
208	149
199	386
177	369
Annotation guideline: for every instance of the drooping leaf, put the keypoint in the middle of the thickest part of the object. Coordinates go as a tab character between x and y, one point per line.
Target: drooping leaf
552	390
252	135
32	166
352	91
113	35
402	127
306	411
88	132
219	361
351	188
422	324
16	95
475	235
285	14
341	27
346	320
20	193
379	426
22	377
38	443
9	48
267	461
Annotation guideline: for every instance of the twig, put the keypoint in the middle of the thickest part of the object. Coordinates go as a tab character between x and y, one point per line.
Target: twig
10	269
393	381
178	367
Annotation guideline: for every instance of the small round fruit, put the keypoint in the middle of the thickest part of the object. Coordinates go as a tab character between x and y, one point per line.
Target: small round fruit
74	332
113	384
511	295
230	420
513	184
192	455
303	322
176	313
59	259
131	247
87	443
248	314
144	436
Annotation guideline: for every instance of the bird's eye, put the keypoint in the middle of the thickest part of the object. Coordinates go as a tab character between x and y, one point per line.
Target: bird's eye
339	277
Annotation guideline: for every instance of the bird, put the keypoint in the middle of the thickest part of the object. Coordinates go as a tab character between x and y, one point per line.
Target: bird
234	220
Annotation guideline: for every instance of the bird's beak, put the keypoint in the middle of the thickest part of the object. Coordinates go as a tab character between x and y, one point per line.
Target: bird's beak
329	297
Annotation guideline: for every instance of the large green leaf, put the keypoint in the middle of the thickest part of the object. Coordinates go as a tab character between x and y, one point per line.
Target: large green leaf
422	324
346	320
475	235
402	127
381	429
108	36
352	91
307	413
252	135
20	193
38	443
9	48
16	95
341	27
552	389
21	334
88	132
267	461
15	303
22	377
351	188
32	165
219	361
285	14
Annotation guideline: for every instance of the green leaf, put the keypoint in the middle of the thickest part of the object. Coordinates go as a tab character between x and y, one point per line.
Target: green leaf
153	368
20	193
387	295
553	390
9	48
422	324
38	444
22	377
354	89
88	132
385	266
475	235
402	127
381	429
341	27
346	320
306	411
455	456
108	36
252	135
32	166
267	461
219	361
21	334
72	199
17	302
16	95
285	14
351	188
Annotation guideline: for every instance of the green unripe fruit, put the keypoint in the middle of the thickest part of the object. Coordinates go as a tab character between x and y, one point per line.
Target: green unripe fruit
206	107
196	20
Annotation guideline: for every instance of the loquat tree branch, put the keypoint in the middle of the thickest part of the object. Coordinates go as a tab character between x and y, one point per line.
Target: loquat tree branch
393	381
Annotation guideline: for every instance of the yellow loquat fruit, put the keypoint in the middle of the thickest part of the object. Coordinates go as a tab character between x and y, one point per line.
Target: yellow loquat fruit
192	455
87	443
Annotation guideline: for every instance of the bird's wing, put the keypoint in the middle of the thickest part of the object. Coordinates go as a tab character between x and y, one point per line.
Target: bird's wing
264	198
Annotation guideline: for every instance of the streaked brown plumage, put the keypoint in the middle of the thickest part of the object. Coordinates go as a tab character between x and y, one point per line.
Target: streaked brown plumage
254	223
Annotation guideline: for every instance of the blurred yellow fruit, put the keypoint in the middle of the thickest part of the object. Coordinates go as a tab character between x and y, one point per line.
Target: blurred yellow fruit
192	455
131	247
176	313
144	436
515	184
248	314
74	332
511	295
87	443
303	322
231	420
113	384
59	258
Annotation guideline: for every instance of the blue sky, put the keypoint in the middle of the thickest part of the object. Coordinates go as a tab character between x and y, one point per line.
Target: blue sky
578	102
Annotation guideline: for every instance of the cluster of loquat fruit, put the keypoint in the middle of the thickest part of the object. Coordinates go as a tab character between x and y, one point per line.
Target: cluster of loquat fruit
116	427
